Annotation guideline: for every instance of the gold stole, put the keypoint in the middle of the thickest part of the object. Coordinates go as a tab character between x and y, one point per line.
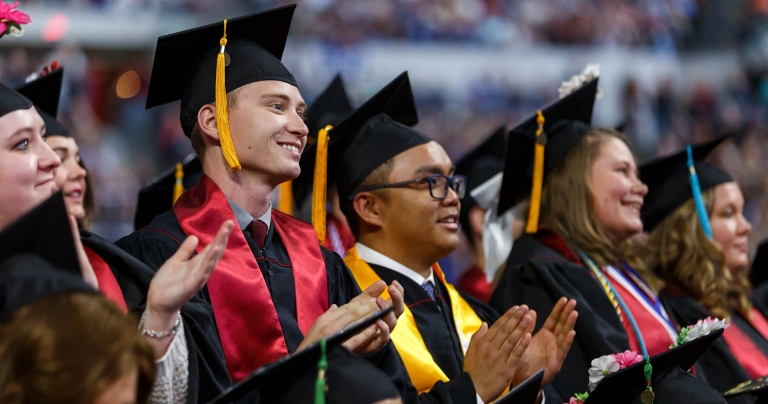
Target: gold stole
421	366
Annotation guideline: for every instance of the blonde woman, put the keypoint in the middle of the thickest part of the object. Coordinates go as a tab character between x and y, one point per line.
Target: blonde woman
698	246
590	204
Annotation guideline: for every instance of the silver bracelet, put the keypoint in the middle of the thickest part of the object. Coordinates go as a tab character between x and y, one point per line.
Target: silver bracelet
155	334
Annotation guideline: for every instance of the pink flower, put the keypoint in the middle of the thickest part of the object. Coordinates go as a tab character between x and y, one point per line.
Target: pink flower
8	12
575	400
627	358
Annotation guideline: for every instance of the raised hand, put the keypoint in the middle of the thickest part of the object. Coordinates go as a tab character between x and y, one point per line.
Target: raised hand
494	353
85	265
337	318
550	345
178	280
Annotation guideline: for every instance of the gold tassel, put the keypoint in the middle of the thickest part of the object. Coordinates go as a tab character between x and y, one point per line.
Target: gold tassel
538	176
319	184
222	114
178	188
285	199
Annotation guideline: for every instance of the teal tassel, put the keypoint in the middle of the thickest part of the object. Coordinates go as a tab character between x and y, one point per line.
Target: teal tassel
698	199
322	366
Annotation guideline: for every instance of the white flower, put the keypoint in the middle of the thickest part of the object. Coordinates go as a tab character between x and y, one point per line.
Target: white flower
589	73
31	77
15	30
601	367
704	327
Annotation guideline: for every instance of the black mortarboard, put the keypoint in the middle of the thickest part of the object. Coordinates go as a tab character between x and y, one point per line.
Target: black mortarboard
566	121
526	392
44	231
758	388
479	165
11	100
26	278
45	92
669	185
377	131
670	381
331	107
185	62
158	195
759	271
396	101
349	378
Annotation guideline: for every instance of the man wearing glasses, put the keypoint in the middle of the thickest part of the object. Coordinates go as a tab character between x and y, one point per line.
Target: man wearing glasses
398	190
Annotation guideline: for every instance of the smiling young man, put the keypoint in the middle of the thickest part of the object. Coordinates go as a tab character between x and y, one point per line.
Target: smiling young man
275	290
402	201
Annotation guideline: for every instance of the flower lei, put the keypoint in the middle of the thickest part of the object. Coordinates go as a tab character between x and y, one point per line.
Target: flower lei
589	73
46	70
11	19
608	364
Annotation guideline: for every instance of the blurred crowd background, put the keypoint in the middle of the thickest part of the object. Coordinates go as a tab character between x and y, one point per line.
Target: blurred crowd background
673	72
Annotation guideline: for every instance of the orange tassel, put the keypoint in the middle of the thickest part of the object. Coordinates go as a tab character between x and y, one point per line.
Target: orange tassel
538	176
222	113
319	184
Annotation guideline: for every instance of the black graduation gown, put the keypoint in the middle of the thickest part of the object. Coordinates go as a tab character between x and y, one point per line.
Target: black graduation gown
436	325
157	242
717	366
538	276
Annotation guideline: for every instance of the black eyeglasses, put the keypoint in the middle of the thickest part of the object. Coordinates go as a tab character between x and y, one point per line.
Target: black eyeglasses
438	185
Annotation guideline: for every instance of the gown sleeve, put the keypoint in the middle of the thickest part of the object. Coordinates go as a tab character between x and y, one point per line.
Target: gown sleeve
208	375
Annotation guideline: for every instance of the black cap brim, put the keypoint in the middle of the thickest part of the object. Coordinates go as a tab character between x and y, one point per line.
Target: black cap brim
395	100
331	107
668	181
567	120
157	196
11	100
627	384
291	379
45	91
526	392
26	278
44	231
184	67
759	271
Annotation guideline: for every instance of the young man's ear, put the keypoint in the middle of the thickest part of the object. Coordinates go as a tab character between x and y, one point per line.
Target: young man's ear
206	119
368	207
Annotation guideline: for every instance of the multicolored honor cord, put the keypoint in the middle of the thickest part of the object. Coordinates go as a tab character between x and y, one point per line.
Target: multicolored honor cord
647	396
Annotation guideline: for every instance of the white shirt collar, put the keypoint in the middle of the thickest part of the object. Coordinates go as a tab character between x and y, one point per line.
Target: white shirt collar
372	256
244	218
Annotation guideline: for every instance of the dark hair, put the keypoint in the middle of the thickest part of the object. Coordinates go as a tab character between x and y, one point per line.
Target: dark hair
378	176
89	202
68	348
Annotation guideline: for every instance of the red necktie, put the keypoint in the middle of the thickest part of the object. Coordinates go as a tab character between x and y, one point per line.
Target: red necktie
258	232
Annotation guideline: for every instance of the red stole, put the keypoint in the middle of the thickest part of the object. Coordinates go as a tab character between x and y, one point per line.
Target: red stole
474	282
246	318
107	282
656	336
749	356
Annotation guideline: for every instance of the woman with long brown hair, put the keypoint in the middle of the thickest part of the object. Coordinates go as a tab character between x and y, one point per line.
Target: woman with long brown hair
697	245
584	204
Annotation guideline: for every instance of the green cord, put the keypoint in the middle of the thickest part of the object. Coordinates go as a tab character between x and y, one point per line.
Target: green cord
322	366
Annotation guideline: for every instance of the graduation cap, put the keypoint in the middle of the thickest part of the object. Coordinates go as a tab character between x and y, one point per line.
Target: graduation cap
670	184
161	192
26	278
758	388
759	271
670	381
331	107
45	92
530	157
294	378
526	392
201	65
479	165
11	100
44	231
377	131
